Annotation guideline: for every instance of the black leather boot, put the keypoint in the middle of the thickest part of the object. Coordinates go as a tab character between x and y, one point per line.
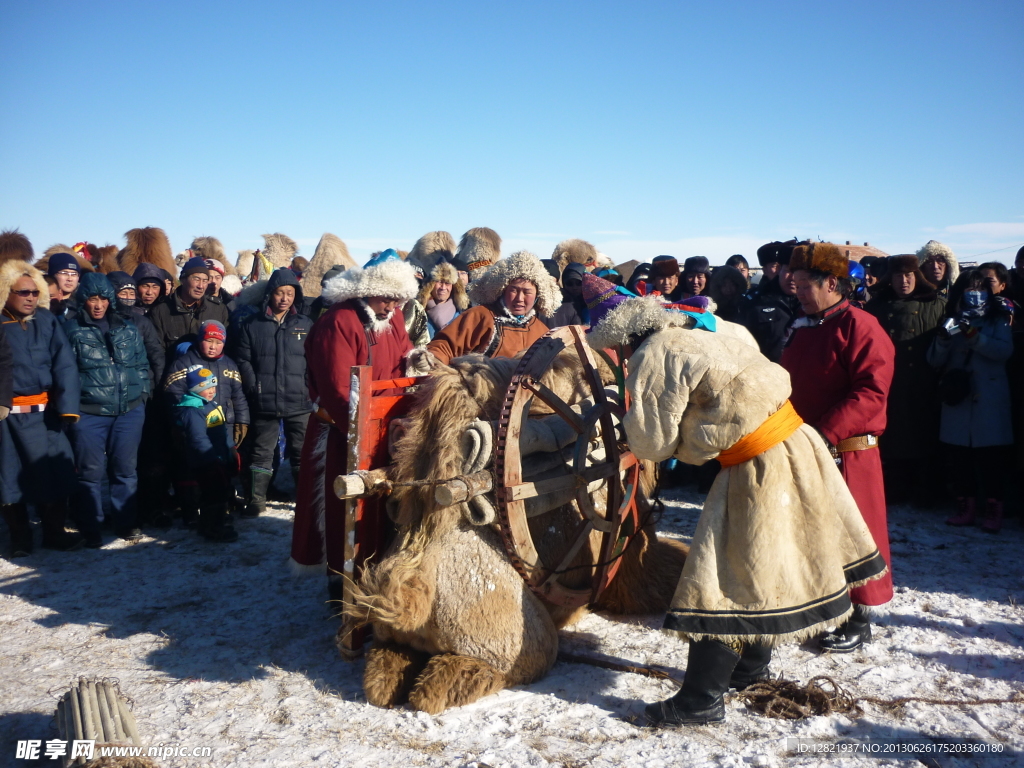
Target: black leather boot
700	700
18	524
752	666
851	635
215	523
259	482
55	535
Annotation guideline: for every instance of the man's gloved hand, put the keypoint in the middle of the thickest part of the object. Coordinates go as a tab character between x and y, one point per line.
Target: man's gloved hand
419	362
240	432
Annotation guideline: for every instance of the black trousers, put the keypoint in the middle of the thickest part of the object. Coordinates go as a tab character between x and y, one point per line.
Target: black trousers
264	432
980	469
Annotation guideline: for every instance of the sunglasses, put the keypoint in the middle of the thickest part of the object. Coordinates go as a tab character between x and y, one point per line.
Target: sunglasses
25	293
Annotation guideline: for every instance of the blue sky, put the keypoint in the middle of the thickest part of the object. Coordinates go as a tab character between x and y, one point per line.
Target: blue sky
645	128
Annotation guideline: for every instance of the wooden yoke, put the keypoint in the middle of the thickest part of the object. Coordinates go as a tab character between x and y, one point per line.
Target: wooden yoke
372	406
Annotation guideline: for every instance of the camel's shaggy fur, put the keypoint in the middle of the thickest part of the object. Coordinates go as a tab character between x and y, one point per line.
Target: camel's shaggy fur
243	265
83	263
107	259
149	245
330	252
479	248
280	249
431	249
206	247
452	619
14	246
574	251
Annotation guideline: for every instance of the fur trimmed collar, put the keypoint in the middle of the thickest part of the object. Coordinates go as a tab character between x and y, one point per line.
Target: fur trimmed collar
503	317
635	317
370	319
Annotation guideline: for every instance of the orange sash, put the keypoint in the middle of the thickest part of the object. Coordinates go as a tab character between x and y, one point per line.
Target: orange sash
776	428
41	399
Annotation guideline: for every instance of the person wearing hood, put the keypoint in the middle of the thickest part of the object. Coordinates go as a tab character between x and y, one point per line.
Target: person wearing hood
574	309
510	298
271	355
364	326
639	280
910	311
37	466
150	287
779	540
973	346
938	266
443	297
127	306
114	373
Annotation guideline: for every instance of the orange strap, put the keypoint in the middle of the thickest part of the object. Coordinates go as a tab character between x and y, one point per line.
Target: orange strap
41	399
776	428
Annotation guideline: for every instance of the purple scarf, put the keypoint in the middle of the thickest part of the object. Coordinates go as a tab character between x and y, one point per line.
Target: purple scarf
441	314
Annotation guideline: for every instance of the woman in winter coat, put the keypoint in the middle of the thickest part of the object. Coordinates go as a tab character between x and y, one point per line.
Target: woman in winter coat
115	378
271	355
727	289
939	266
443	297
976	423
909	310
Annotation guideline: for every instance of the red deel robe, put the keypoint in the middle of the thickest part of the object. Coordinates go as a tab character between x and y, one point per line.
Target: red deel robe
841	371
336	342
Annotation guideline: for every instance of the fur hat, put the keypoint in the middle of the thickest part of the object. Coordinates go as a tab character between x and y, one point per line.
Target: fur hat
907	263
330	252
146	244
633	316
775	252
385	275
696	265
211	248
11	271
935	248
14	246
489	286
821	257
479	248
665	266
280	249
432	248
446	273
575	251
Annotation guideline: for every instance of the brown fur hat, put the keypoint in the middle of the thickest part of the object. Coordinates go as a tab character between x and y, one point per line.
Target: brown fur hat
11	271
330	252
479	248
14	246
907	263
431	249
146	245
280	249
820	257
206	247
574	251
83	263
446	273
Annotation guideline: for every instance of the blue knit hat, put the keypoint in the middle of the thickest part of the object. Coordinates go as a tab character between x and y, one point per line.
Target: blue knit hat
61	261
193	265
199	379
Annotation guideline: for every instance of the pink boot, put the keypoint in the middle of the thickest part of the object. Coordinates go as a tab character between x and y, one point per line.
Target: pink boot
966	514
993	517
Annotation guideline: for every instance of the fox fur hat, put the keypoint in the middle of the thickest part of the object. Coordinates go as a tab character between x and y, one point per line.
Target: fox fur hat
280	249
384	275
330	252
934	248
149	245
575	251
11	271
489	286
821	257
445	272
206	247
84	265
431	249
479	248
14	246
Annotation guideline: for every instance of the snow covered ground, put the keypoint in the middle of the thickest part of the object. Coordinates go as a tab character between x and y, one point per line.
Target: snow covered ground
219	646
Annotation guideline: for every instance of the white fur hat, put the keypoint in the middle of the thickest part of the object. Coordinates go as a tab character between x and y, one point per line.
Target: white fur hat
487	288
385	275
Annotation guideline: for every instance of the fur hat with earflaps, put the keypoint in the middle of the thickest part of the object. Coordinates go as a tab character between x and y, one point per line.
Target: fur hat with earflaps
14	246
820	257
907	263
479	248
330	252
574	251
146	245
206	247
11	271
431	249
385	275
445	272
279	249
488	287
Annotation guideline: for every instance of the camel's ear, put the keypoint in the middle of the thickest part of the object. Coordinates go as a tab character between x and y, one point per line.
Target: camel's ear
479	511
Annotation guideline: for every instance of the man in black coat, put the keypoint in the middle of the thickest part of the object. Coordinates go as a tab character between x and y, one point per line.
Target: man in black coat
768	312
181	313
270	351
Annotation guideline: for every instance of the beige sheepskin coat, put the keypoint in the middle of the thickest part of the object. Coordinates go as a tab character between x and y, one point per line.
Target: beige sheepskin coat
780	539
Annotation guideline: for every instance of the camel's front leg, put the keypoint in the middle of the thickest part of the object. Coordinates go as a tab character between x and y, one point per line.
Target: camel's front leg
453	681
391	670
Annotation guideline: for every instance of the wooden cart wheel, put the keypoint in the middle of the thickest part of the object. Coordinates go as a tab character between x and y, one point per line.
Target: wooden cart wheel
616	522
